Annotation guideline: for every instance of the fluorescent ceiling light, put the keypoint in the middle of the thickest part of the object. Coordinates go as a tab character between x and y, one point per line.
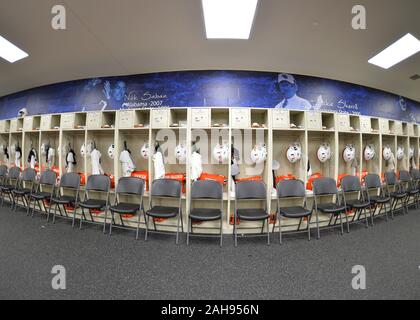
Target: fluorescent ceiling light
10	52
397	52
229	19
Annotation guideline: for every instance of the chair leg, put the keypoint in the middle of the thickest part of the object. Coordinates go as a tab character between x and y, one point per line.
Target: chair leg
268	231
49	213
347	223
309	227
221	232
106	215
371	215
55	213
74	217
188	230
147	228
138	224
177	228
341	224
28	207
366	218
280	234
235	232
317	225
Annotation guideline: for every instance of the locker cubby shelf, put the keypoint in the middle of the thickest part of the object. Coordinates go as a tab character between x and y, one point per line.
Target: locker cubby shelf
297	120
328	121
103	139
259	118
315	139
344	139
374	165
134	139
404	143
219	117
31	140
74	139
282	139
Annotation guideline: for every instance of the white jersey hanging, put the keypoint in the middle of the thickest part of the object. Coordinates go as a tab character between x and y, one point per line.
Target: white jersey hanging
196	166
50	157
18	156
127	163
95	157
159	165
70	161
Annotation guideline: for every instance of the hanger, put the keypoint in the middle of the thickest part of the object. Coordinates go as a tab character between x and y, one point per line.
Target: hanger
126	148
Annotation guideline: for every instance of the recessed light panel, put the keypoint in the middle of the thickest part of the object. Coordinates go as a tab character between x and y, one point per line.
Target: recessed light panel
10	52
229	19
397	52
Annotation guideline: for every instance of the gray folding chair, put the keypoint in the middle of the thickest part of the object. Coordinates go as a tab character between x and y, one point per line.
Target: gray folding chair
251	191
410	187
100	184
373	183
205	191
328	187
360	205
22	191
288	189
397	193
415	175
3	174
10	183
69	182
169	189
48	179
128	186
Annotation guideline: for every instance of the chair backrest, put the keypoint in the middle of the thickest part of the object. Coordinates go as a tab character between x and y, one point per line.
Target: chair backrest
14	173
351	184
206	189
373	181
251	190
405	176
70	180
324	186
391	178
291	188
29	175
98	182
3	171
415	174
130	185
166	188
48	177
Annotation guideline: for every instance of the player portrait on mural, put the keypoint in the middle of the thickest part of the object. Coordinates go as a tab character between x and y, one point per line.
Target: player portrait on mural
101	94
289	88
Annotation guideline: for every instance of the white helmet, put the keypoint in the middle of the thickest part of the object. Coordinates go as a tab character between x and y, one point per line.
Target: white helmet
400	153
411	152
23	112
369	152
294	153
221	152
387	153
86	150
181	152
349	153
145	151
259	153
111	151
324	152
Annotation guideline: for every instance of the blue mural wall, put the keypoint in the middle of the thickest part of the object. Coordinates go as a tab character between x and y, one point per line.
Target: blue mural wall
211	89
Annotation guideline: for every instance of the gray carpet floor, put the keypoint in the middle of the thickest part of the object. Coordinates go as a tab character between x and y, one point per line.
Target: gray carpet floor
100	266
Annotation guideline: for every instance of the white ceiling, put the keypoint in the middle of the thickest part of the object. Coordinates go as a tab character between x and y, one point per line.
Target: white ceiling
110	37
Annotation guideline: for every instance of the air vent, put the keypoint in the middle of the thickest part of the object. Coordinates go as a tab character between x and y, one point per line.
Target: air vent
415	77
